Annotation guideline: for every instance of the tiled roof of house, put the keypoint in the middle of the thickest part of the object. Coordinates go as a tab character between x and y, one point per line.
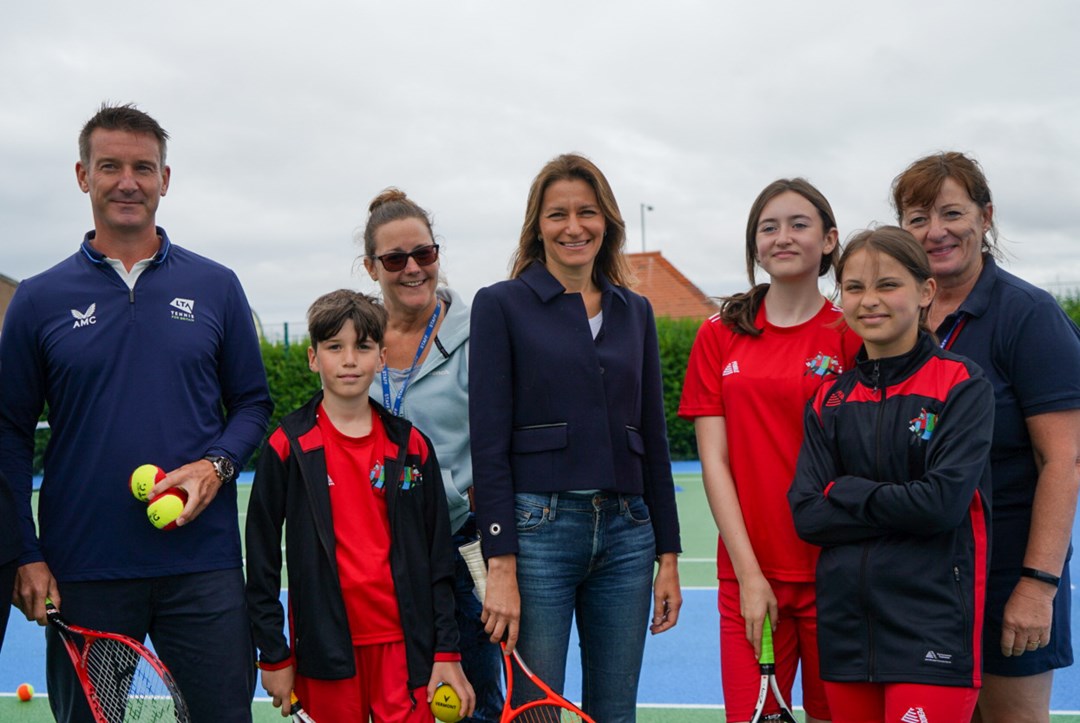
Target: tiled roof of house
670	293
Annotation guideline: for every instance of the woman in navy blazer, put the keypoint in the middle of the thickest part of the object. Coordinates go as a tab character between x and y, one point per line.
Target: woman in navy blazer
573	487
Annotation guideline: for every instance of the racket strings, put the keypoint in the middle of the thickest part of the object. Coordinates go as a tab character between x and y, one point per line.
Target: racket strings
547	713
128	688
534	703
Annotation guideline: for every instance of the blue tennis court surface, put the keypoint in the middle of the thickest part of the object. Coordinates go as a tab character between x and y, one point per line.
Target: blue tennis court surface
681	666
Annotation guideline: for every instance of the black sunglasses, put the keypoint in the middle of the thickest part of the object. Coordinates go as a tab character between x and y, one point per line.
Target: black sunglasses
396	261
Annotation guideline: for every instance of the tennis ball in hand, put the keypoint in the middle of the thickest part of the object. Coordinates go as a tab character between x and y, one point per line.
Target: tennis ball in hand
166	507
143	480
445	704
25	692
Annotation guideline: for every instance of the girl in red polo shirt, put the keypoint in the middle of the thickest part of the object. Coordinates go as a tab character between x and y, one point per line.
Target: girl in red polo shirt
752	369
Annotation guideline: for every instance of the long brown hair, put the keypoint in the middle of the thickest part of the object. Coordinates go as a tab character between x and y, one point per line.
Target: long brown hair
610	262
739	311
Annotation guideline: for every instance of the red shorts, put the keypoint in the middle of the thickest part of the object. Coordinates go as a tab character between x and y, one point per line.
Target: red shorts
900	702
794	640
378	691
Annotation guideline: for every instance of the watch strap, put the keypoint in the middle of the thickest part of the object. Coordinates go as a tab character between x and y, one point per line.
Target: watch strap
1040	576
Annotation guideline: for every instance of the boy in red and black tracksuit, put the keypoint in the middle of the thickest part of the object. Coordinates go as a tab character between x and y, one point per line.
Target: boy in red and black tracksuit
371	568
893	482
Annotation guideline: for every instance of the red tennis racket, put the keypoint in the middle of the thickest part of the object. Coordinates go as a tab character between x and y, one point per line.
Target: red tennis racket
767	667
552	707
123	681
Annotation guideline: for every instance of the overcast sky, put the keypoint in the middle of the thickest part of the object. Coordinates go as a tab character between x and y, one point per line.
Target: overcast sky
288	117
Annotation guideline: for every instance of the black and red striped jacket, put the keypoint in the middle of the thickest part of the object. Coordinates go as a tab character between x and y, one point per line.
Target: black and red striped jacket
893	482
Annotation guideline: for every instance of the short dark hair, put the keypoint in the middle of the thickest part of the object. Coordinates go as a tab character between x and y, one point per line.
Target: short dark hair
330	312
124	117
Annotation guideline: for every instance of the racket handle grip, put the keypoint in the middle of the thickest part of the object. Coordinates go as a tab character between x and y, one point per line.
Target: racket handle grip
767	657
474	560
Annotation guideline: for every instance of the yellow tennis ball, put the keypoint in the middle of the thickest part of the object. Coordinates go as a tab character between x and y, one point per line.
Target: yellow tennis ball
445	704
143	480
166	507
25	692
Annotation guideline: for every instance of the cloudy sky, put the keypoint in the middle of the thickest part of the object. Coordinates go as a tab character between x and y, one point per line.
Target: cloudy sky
288	117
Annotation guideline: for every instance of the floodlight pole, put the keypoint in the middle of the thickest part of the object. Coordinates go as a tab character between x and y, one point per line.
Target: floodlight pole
644	207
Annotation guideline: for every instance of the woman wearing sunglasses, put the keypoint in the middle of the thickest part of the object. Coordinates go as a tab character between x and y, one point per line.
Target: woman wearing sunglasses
426	380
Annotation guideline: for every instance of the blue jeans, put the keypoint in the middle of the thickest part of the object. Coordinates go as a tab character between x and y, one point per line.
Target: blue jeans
481	659
200	630
589	556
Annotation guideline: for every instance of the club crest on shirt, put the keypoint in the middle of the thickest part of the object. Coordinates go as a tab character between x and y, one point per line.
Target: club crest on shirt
923	426
377	476
411	477
823	364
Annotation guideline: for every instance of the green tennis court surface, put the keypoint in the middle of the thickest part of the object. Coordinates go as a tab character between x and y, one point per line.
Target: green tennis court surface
680	680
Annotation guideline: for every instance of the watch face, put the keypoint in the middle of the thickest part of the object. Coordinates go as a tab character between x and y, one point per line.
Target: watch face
224	467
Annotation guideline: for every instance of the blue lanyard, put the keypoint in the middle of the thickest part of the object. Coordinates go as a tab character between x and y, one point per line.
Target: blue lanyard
395	409
950	338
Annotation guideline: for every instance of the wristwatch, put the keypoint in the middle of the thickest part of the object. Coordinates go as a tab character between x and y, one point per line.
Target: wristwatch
223	466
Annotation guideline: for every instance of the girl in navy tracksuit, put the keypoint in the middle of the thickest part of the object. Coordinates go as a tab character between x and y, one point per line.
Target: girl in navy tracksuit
893	482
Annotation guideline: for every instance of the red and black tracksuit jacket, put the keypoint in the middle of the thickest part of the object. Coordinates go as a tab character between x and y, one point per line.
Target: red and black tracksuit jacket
290	490
893	482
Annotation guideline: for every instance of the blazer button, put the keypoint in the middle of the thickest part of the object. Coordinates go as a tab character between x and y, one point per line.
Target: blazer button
601	370
495	529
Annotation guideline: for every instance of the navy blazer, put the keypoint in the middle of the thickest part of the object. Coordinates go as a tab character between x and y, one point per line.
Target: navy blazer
553	410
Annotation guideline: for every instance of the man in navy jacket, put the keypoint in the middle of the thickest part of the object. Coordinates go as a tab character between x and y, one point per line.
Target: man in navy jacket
144	353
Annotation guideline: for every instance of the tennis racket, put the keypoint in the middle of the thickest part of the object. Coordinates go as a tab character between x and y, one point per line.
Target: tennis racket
767	665
299	715
552	707
123	681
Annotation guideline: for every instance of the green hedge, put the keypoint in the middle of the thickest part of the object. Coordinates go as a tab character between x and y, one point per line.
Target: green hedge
292	383
676	337
291	380
1071	305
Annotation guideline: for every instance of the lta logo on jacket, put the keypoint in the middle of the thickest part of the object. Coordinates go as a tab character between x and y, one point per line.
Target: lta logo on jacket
823	364
923	426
